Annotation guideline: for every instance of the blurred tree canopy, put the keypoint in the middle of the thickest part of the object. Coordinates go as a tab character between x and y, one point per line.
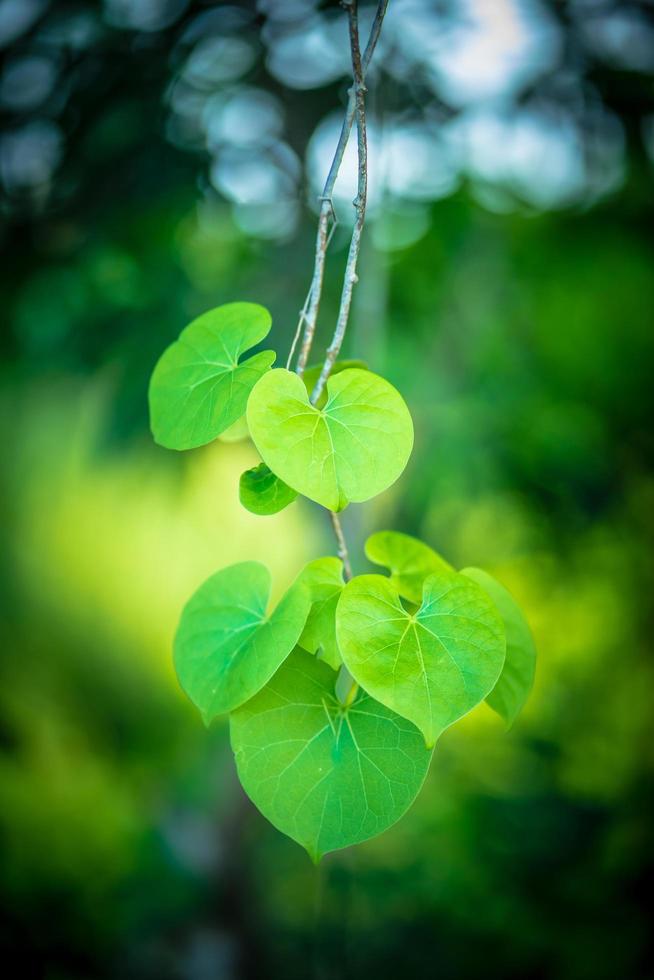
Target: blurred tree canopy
159	157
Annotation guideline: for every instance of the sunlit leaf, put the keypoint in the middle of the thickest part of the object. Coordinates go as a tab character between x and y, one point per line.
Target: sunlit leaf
227	647
409	561
198	387
326	775
312	374
515	682
431	667
325	582
261	492
350	450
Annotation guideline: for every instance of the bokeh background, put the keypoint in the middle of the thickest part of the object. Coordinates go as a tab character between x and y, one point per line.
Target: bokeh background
159	157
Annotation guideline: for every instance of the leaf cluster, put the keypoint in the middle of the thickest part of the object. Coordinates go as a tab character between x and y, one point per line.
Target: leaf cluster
337	695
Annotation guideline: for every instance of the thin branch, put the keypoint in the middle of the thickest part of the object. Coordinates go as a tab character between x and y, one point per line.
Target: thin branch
343	553
326	202
359	204
298	330
346	687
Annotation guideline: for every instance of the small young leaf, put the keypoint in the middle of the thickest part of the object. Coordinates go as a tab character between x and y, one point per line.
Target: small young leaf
312	374
325	775
409	561
227	647
261	492
350	450
198	387
325	583
431	667
515	682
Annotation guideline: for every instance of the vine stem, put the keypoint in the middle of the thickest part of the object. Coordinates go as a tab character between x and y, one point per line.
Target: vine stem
343	553
359	202
346	686
309	314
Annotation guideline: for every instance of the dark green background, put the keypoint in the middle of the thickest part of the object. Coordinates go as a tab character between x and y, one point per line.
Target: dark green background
522	341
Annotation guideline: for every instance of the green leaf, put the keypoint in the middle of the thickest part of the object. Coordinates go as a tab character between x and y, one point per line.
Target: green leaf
326	775
236	432
350	450
515	682
198	387
431	667
312	374
409	561
261	492
227	647
325	583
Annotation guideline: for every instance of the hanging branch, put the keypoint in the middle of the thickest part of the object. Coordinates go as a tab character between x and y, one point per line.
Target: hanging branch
358	96
309	313
359	205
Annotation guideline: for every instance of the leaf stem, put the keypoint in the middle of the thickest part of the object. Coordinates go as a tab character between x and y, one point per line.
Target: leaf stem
309	316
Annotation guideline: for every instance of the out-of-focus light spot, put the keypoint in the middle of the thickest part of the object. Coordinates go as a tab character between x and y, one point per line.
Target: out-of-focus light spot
490	49
417	162
27	82
539	156
185	100
215	60
248	117
313	55
218	21
248	178
605	153
184	126
29	156
287	10
624	38
144	15
78	30
497	48
17	16
547	159
275	219
399	225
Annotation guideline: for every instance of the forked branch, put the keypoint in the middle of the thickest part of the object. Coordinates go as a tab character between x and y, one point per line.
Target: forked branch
309	314
350	277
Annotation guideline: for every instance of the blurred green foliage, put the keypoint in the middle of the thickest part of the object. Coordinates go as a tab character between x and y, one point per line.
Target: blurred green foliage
523	345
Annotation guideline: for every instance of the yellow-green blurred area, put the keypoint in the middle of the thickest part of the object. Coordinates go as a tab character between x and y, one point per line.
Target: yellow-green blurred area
509	297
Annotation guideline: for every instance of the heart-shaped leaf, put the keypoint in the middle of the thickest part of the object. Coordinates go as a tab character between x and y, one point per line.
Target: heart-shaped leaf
198	387
227	647
326	775
350	450
263	493
319	634
515	682
409	561
314	371
431	667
